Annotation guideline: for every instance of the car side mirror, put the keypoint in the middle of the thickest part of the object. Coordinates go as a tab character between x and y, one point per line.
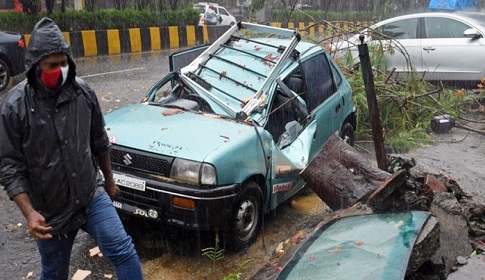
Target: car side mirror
472	33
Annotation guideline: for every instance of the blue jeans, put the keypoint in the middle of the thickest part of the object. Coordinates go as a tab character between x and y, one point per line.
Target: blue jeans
105	227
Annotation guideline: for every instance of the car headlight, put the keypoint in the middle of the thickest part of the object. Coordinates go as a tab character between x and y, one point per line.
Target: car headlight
191	171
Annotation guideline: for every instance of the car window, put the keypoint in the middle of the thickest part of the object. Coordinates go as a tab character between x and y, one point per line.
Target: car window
402	29
336	75
223	11
318	80
444	28
201	8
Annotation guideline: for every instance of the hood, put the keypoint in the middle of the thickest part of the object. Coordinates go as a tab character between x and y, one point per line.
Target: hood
46	39
184	134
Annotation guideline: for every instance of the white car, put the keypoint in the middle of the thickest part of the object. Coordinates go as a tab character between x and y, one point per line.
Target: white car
223	16
440	46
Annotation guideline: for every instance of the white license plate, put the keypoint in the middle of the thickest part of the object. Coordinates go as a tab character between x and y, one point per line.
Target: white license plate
129	182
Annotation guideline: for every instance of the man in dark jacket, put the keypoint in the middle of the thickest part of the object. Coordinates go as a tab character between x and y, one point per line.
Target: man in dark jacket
52	135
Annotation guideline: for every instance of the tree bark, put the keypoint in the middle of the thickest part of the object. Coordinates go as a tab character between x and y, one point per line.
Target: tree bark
341	176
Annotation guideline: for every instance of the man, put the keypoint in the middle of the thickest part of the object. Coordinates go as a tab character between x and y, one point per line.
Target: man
52	135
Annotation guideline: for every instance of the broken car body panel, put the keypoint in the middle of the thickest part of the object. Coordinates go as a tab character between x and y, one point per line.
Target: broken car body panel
221	141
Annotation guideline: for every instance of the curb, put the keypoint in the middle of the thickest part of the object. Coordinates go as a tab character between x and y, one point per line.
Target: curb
88	43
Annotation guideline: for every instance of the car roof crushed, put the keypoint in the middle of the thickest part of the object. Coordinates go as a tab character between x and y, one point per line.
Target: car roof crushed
239	72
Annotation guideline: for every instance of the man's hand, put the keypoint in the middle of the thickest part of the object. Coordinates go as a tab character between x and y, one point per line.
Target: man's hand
37	226
111	188
109	185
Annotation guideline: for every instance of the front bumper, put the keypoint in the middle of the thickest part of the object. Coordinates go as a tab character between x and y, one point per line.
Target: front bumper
212	207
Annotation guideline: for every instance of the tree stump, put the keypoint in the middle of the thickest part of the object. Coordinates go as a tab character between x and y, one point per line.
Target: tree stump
341	176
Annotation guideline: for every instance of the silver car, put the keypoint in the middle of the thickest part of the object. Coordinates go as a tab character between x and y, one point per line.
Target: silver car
440	46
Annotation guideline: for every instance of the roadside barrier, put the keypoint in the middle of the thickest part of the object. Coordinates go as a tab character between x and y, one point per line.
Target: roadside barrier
88	43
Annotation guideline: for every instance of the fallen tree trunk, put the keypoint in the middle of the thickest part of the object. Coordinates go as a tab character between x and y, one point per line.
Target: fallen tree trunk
341	176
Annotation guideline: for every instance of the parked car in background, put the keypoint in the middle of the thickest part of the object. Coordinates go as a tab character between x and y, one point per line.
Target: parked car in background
12	55
221	17
222	139
439	46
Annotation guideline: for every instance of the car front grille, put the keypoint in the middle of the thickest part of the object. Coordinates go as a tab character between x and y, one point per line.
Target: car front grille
140	161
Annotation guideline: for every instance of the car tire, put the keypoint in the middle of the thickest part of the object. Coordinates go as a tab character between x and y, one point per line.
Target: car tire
246	218
4	75
347	134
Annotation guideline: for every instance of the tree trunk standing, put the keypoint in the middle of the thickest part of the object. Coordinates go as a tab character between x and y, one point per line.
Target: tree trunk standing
28	7
49	5
63	6
89	5
341	176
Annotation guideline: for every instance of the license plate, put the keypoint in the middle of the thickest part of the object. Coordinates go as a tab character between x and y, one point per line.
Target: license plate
147	213
129	182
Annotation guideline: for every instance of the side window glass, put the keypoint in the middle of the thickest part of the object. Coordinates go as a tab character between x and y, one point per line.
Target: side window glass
444	28
336	75
223	11
402	29
318	80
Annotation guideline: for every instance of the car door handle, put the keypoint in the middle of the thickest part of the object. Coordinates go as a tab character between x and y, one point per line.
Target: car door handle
337	108
429	49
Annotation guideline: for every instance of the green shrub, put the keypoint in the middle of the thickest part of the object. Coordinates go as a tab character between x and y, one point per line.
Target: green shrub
101	19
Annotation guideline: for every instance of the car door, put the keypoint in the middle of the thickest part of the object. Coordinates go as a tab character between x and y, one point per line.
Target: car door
227	19
183	58
448	55
402	43
323	99
323	115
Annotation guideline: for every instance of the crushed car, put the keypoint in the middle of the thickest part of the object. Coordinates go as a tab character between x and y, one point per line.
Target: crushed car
221	140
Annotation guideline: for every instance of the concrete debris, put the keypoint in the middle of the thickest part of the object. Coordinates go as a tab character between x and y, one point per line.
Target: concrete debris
459	222
94	252
81	274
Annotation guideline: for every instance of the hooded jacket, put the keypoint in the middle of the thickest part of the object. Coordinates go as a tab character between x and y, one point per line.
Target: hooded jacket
50	138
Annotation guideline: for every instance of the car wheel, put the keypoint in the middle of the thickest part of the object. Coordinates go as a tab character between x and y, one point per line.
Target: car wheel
347	134
4	75
246	218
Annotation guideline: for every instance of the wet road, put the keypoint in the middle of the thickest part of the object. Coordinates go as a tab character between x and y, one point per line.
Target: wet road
166	253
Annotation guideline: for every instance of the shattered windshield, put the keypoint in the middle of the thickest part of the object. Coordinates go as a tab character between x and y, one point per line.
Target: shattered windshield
373	247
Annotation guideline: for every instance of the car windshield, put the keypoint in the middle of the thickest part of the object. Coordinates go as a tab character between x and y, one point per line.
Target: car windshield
376	246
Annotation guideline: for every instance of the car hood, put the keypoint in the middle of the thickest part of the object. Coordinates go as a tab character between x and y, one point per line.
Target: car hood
173	132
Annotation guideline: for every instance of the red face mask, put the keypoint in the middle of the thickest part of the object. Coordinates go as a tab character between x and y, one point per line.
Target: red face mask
51	78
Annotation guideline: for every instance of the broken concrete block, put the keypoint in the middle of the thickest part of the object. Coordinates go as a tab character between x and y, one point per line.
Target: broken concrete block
454	239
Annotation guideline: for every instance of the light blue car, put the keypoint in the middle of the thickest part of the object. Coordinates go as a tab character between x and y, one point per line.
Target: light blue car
222	139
